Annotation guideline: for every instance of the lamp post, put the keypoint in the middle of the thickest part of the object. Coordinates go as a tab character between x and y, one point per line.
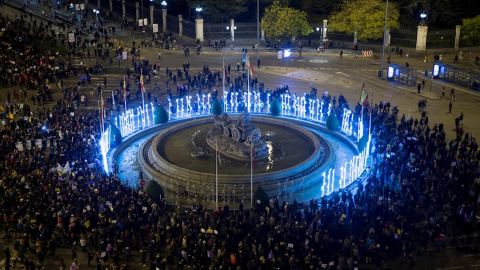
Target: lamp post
164	16
321	34
384	38
199	25
96	17
199	12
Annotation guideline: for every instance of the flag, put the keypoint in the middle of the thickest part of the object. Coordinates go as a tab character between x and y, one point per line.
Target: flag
218	154
142	86
364	95
250	69
270	255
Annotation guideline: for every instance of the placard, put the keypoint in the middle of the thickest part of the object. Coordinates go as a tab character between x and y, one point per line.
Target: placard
290	245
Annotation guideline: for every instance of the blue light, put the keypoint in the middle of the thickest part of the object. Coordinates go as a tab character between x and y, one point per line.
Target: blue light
435	70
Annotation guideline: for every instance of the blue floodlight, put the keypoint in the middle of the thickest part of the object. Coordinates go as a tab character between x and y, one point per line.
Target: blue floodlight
286	53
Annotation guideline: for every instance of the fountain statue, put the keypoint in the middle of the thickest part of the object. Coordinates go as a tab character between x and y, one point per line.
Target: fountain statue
237	138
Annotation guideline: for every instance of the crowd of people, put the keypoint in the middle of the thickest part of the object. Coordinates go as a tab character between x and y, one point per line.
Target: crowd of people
419	189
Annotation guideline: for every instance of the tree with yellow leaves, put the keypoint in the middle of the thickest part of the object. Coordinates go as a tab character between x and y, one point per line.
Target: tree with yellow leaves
367	17
283	23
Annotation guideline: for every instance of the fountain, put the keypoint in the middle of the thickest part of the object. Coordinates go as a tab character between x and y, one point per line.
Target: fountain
237	139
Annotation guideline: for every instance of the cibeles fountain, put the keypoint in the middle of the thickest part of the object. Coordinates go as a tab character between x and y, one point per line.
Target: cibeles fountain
292	158
237	139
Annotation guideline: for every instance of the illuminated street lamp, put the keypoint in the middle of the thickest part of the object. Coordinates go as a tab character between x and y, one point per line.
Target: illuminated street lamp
199	11
423	16
164	4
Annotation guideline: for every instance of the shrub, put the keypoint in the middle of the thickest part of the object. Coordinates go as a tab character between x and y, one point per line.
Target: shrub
160	115
115	136
275	107
260	195
217	107
332	122
154	190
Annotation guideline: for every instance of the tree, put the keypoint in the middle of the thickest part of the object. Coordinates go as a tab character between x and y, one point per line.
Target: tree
154	190
218	10
471	31
160	115
281	22
115	136
332	122
275	107
217	107
365	16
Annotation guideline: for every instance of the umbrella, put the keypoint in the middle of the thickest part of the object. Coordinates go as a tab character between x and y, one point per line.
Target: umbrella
84	78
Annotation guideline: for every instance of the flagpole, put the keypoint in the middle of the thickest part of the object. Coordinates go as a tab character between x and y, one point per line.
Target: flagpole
251	175
216	175
370	121
223	78
101	112
143	99
125	93
248	83
361	119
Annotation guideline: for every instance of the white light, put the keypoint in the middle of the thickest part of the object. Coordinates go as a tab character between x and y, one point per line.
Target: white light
423	15
164	3
198	9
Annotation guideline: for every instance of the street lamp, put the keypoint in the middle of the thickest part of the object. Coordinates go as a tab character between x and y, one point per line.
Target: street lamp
199	10
423	16
384	38
321	35
96	16
164	4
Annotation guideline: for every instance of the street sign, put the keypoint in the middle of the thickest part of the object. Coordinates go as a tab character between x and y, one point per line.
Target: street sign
155	28
145	21
142	183
280	55
71	37
140	22
125	55
77	6
82	6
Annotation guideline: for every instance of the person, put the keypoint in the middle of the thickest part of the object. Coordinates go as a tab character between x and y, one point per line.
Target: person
238	66
159	54
450	107
419	86
341	53
423	84
455	61
452	94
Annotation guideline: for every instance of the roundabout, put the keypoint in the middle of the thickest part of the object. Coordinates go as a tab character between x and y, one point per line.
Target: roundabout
305	160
